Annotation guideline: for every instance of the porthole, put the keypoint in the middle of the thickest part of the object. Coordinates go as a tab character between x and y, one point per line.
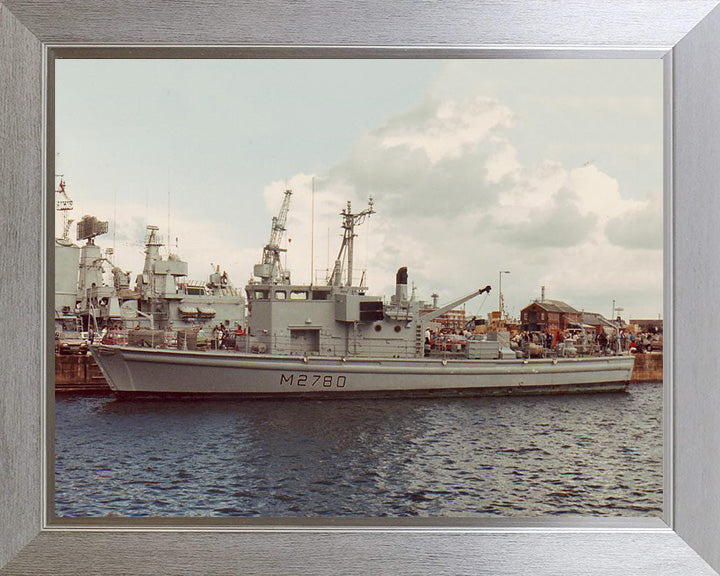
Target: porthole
397	328
378	327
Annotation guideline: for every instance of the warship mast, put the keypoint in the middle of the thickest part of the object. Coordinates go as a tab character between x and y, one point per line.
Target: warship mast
350	220
64	204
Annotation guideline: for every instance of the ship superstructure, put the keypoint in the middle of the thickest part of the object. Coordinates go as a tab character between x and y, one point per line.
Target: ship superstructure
339	318
80	289
165	297
162	298
67	257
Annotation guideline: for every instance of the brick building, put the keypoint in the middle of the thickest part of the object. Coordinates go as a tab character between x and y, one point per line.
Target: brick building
550	315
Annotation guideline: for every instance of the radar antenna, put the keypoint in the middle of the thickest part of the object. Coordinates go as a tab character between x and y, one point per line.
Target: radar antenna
270	270
89	227
350	220
63	204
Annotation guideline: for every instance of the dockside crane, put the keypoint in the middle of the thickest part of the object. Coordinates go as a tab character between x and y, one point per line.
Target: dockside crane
432	314
270	270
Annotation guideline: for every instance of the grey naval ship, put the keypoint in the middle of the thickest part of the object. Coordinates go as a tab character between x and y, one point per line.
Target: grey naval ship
163	297
334	340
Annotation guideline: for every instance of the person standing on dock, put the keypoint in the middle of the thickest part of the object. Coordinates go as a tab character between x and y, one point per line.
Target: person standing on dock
602	341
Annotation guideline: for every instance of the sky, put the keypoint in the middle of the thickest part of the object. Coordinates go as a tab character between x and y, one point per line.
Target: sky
548	169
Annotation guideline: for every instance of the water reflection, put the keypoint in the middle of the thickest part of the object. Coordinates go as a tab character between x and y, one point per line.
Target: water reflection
532	456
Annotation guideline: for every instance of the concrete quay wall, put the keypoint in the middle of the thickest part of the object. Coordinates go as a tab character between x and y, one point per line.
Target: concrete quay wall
78	373
648	367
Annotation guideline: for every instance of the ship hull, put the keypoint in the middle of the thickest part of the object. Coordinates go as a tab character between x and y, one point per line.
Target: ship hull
137	372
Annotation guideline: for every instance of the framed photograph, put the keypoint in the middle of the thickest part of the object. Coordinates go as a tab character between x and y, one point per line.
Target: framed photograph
682	540
359	288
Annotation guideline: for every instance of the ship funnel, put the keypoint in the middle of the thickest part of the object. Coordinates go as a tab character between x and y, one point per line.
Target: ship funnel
401	285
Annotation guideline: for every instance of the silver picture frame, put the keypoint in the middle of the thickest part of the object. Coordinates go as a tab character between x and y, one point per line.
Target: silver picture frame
684	33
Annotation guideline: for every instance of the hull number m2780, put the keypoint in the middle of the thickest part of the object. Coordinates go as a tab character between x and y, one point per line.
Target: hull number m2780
313	380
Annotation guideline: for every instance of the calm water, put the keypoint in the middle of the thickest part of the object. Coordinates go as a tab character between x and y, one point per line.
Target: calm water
589	455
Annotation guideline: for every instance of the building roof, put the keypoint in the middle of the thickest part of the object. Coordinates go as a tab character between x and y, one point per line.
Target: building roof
554	306
595	319
647	322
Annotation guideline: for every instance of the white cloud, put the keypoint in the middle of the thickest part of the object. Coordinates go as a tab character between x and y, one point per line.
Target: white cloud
450	128
502	163
455	204
598	193
640	227
559	223
532	187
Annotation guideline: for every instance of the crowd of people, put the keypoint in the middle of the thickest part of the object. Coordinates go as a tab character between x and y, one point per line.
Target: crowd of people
222	338
449	340
597	342
588	342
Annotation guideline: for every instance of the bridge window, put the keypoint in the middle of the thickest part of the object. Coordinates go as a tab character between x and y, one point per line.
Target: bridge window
371	311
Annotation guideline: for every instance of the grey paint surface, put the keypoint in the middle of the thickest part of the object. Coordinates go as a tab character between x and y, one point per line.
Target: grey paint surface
654	24
361	554
697	278
375	22
20	222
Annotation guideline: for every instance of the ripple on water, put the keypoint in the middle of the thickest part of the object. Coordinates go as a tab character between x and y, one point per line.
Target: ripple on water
439	457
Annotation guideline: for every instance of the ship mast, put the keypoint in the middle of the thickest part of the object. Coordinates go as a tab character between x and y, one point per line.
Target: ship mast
152	249
270	270
350	220
64	204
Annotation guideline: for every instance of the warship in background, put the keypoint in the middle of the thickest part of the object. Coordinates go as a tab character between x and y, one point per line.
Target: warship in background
335	340
163	297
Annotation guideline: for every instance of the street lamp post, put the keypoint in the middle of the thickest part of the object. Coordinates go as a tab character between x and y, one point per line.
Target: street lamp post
617	309
500	294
